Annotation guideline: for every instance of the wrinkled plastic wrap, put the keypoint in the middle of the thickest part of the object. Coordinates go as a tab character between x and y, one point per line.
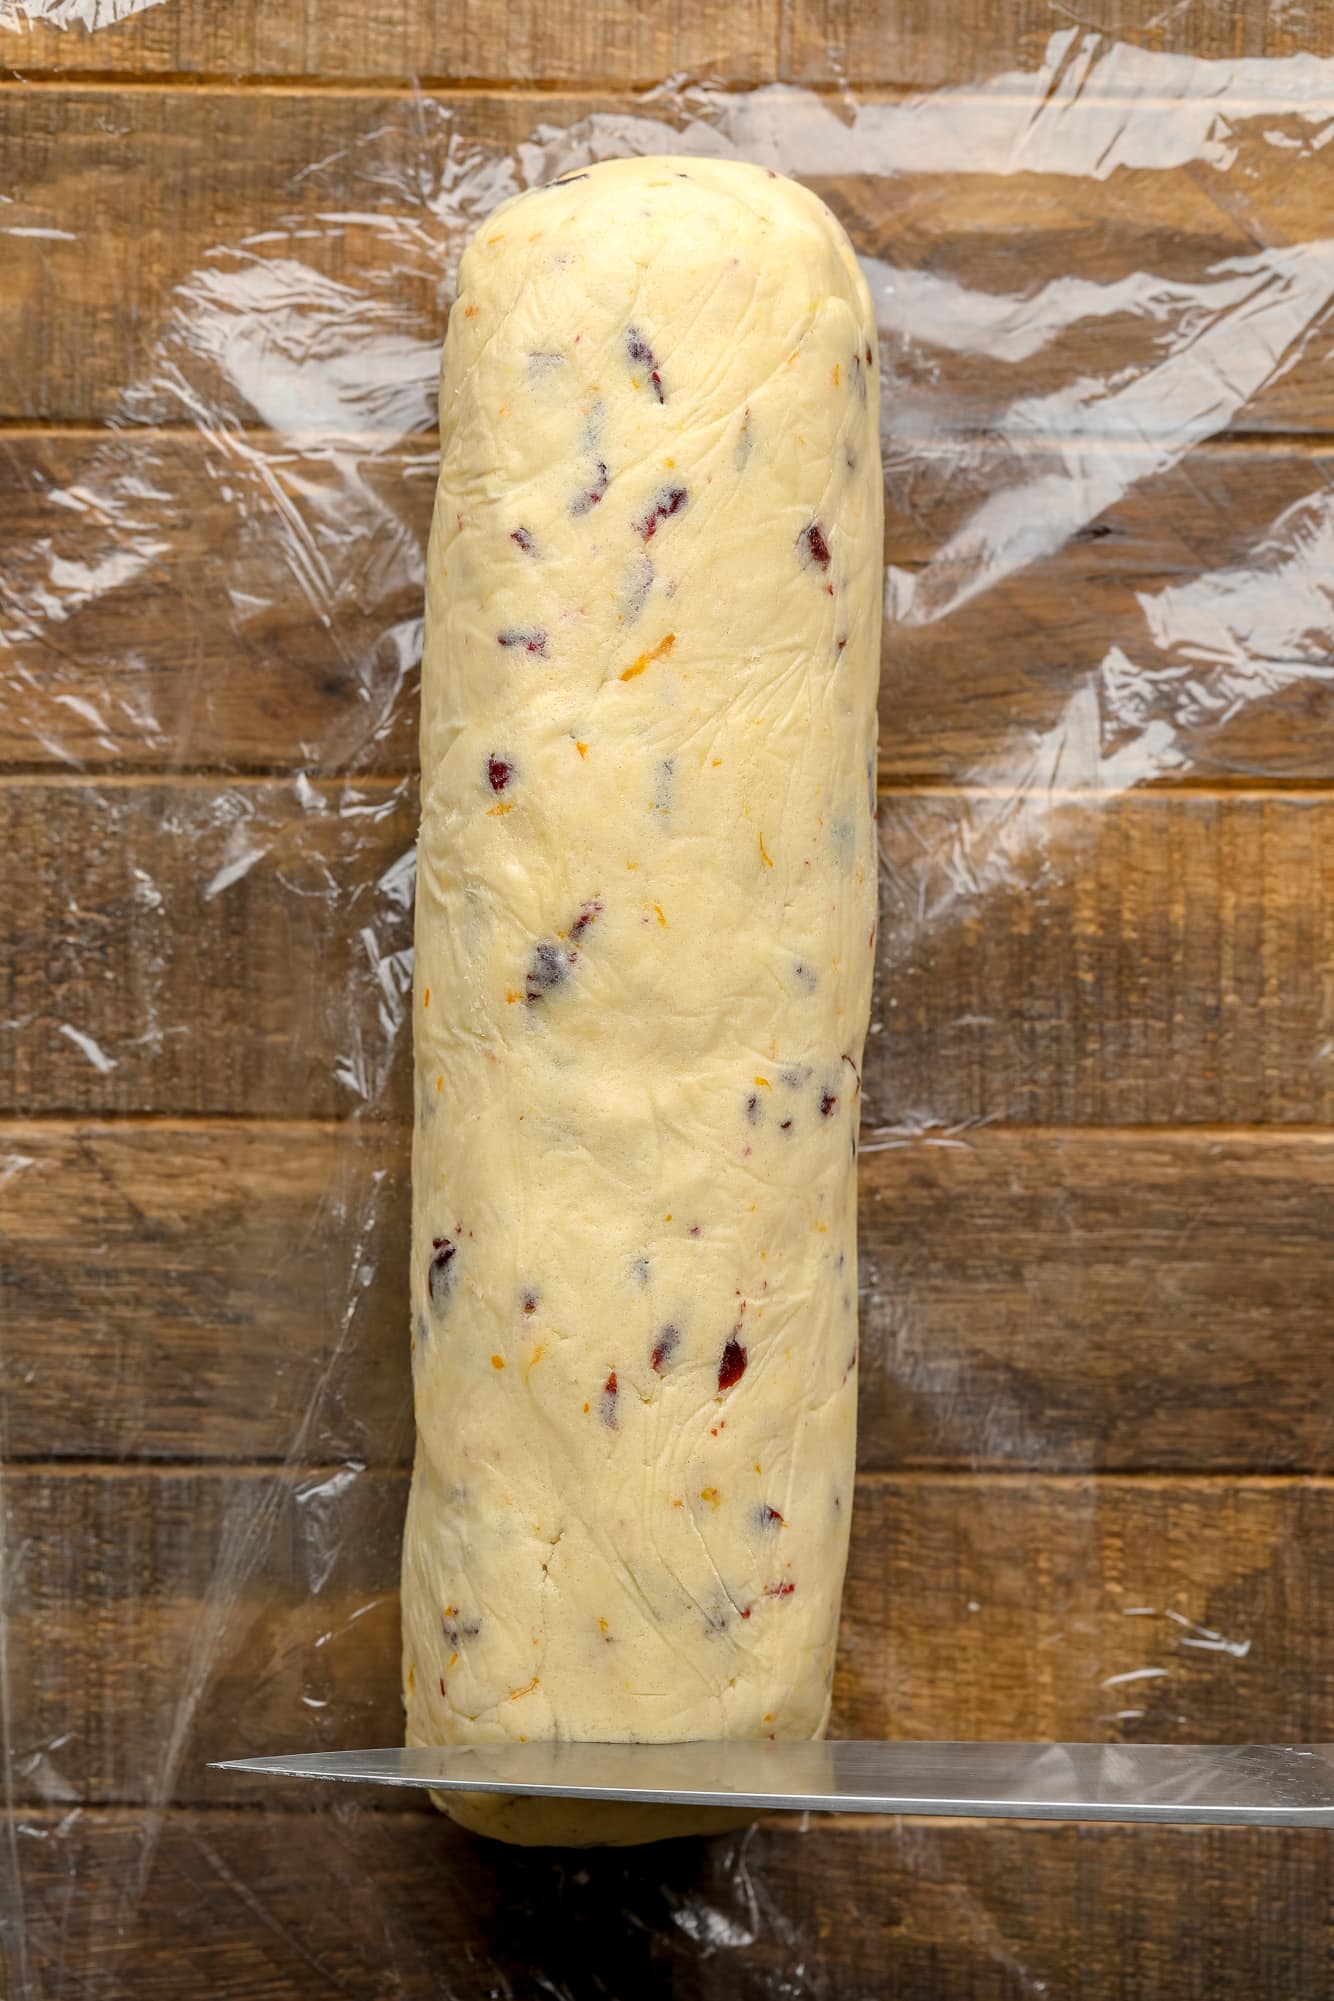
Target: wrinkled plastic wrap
1088	271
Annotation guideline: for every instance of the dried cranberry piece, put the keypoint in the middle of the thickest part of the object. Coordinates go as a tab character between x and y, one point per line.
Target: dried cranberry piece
668	500
532	639
588	912
607	1402
828	1100
768	1518
499	772
643	356
439	1273
813	546
524	540
547	968
732	1364
779	1590
665	1347
592	494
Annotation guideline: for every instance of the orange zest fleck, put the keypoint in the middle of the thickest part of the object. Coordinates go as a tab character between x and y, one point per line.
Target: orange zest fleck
716	762
585	1410
658	652
439	1083
602	1625
412	1679
426	998
453	1660
765	856
661	919
582	748
497	1361
527	1689
498	812
764	1083
838	375
470	312
709	1494
513	995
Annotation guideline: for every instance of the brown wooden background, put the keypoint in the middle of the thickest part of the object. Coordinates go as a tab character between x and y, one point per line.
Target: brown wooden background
1098	1256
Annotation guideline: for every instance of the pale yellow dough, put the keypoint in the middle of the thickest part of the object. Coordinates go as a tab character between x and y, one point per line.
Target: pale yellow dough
645	931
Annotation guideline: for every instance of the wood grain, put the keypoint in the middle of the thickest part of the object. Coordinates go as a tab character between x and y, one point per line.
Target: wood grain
231	1291
907	1910
1081	1299
285	259
967	39
184	599
538	41
161	1606
206	948
644	40
157	609
1064	1301
1146	958
1143	959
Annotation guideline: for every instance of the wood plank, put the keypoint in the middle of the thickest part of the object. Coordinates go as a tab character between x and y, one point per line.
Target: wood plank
536	41
154	1608
1162	622
229	1291
628	41
1071	1300
284	258
206	948
160	606
1079	1610
1146	958
157	609
1066	1301
1122	960
967	39
282	1905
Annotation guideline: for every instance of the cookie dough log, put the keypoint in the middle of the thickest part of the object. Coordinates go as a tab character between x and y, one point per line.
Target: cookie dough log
645	929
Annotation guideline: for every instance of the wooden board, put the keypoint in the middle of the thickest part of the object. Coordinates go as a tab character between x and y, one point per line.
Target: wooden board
1161	956
169	1608
1059	1300
155	217
909	1910
1096	1256
219	655
628	41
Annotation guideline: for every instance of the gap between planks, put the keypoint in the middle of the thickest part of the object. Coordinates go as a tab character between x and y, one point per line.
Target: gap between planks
34	776
1235	442
649	90
965	1480
14	1122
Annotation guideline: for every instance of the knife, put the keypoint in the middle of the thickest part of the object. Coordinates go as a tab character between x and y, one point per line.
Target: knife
1258	1785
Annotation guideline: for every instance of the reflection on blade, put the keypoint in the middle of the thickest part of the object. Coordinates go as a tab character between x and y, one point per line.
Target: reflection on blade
1262	1784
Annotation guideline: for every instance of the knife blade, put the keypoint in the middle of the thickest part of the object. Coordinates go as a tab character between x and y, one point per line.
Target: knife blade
1275	1785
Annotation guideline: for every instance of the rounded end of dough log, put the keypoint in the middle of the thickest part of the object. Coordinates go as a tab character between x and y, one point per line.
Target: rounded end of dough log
526	1822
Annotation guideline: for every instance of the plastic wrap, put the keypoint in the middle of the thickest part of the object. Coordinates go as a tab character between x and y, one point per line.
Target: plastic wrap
1105	286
